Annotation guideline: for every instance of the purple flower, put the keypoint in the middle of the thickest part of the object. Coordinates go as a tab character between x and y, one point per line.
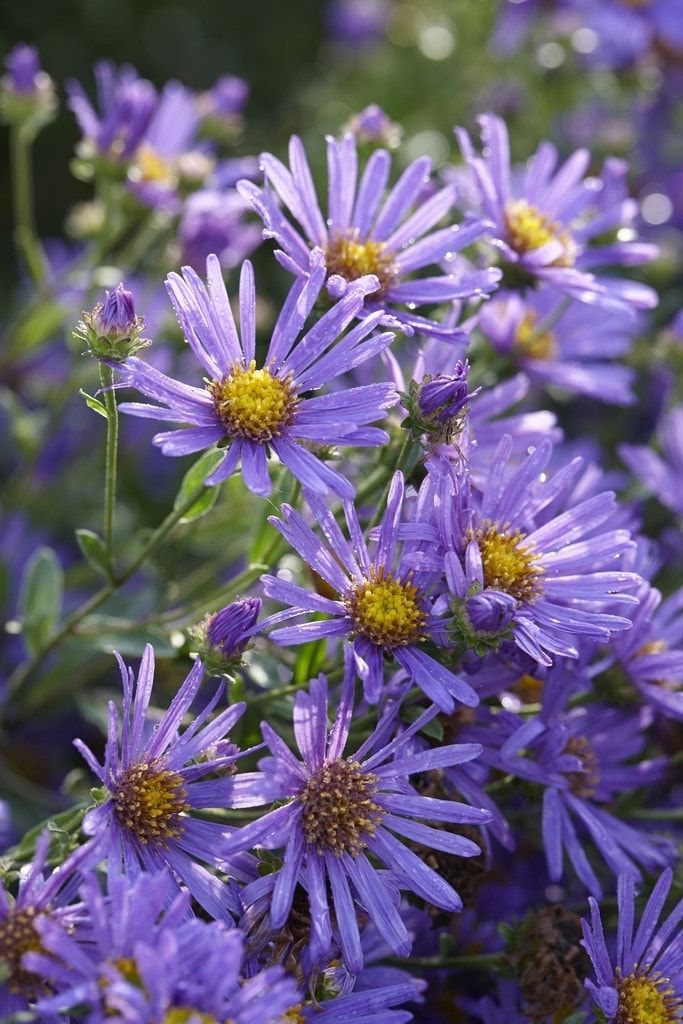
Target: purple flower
367	231
651	652
384	602
661	474
27	93
254	411
153	781
567	345
559	569
372	124
212	221
544	218
126	103
339	812
625	32
41	897
643	979
152	962
445	395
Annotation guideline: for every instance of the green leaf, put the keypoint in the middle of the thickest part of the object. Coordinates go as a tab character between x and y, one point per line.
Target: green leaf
310	658
93	403
40	601
192	482
94	551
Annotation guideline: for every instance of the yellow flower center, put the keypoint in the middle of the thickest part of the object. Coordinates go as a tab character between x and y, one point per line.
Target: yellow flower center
651	647
347	256
528	688
181	1015
148	802
647	1000
149	166
532	343
583	783
387	610
339	812
508	564
18	936
529	229
252	403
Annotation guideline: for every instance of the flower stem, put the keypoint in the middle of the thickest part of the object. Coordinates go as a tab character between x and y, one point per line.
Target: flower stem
107	379
25	236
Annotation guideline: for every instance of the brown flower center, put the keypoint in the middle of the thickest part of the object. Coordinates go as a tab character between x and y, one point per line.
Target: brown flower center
148	802
339	811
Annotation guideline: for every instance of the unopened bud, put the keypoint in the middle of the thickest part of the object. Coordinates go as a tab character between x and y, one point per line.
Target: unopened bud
27	93
112	330
223	637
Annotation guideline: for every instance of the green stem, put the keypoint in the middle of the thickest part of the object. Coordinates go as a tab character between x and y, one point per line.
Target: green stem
107	379
25	235
16	681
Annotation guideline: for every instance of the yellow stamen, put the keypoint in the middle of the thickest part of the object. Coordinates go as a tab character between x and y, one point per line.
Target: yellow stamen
18	935
529	229
148	802
647	1000
350	258
252	403
508	564
387	610
531	343
149	166
339	812
583	783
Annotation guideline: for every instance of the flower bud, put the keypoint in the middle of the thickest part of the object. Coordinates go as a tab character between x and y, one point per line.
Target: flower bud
223	637
27	93
441	398
112	330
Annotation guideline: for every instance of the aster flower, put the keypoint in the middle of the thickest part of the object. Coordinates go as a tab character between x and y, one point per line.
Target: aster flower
153	781
660	474
41	896
151	964
651	652
384	602
79	968
253	412
126	104
558	569
624	33
643	979
213	221
366	232
566	345
336	812
27	93
545	217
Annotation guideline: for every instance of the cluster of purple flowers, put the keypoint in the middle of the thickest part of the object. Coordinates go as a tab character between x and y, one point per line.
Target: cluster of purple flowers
443	731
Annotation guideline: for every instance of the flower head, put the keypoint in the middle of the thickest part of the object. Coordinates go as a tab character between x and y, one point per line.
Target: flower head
27	93
252	411
384	599
366	232
222	637
557	568
153	781
545	218
340	811
643	981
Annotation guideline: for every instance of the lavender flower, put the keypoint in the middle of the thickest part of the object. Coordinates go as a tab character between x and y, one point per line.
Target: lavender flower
251	411
152	781
545	217
366	232
563	344
558	569
384	603
40	897
223	637
27	93
213	221
661	474
643	979
337	808
126	103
